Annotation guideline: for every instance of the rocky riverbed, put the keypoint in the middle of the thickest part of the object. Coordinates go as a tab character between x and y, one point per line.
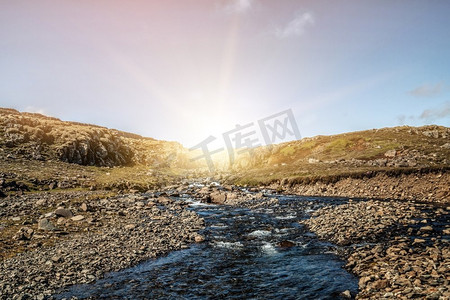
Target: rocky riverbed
399	250
50	240
75	237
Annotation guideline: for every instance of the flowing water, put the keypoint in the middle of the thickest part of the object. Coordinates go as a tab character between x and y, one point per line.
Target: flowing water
248	254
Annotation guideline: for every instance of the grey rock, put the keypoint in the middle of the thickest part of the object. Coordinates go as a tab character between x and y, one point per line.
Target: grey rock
46	225
62	212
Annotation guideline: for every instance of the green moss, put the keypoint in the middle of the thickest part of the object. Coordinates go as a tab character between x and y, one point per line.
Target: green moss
307	145
288	150
338	145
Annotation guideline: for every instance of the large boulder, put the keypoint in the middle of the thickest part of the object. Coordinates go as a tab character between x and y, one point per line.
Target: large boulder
218	197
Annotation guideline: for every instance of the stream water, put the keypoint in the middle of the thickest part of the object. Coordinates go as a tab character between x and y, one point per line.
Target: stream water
259	253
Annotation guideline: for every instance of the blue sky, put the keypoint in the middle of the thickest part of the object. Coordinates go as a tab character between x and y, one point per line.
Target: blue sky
182	70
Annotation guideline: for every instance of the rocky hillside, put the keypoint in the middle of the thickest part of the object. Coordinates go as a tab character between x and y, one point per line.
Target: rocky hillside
41	153
388	149
37	137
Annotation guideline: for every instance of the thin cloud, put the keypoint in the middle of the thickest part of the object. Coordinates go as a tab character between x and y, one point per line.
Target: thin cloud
436	113
427	90
295	27
428	115
239	6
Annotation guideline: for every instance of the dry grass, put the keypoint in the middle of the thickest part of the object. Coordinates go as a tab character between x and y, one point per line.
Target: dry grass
330	157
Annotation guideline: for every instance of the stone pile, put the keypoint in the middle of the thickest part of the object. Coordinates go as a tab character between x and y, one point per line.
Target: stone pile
399	250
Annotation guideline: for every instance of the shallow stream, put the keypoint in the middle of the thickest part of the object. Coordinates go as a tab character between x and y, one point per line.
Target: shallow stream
261	253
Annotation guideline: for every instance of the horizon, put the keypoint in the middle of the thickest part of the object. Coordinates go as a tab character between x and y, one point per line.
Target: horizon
183	71
276	143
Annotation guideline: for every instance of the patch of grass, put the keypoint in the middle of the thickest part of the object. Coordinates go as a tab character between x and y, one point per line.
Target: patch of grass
338	145
307	145
288	150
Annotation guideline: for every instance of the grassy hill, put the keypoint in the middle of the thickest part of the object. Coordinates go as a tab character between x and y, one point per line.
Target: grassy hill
398	149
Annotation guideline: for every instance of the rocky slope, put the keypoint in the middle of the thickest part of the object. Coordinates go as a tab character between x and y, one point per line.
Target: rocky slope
37	137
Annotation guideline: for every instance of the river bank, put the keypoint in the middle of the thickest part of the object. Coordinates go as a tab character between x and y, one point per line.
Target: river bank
52	240
428	187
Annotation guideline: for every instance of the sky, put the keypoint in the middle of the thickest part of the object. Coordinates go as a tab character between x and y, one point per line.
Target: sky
184	70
